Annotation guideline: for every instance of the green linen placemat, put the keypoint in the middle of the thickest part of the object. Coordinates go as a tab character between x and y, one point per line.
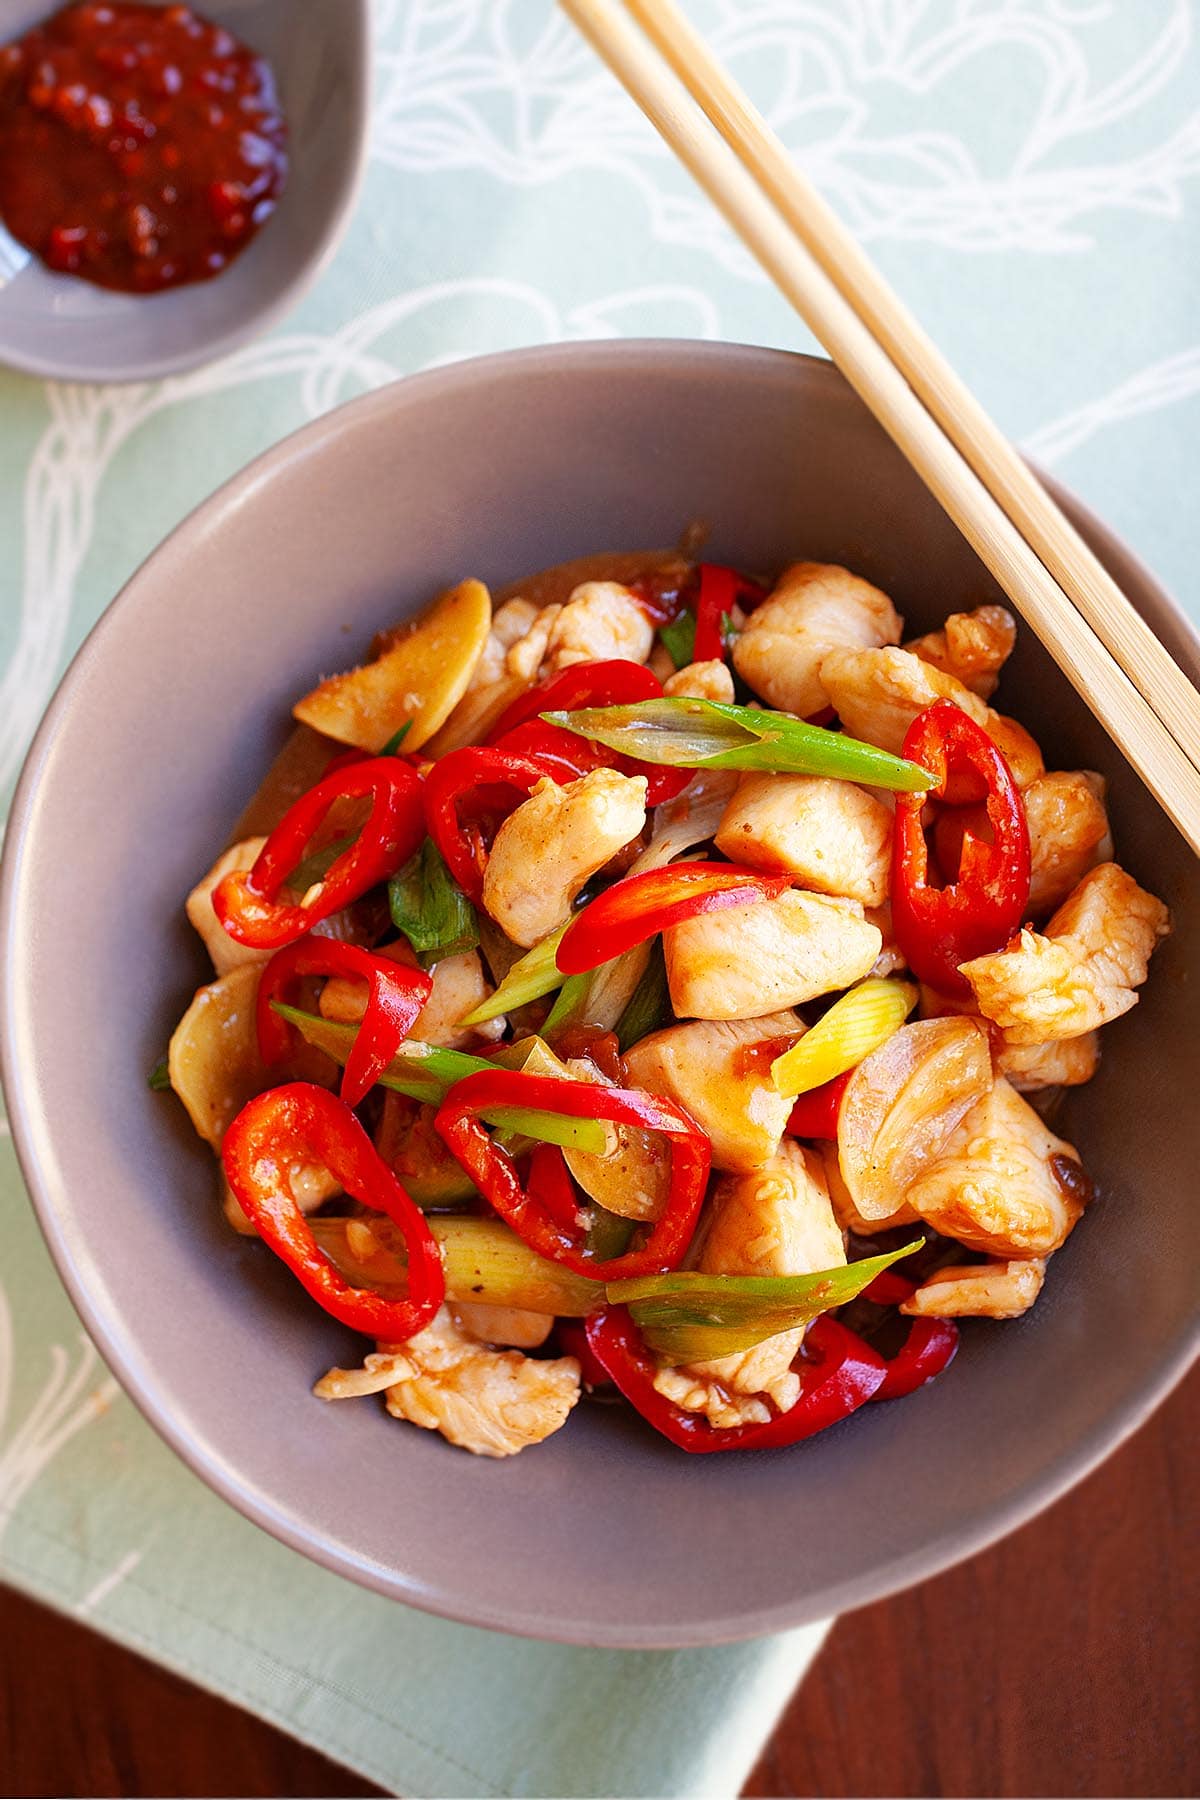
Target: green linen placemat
1028	173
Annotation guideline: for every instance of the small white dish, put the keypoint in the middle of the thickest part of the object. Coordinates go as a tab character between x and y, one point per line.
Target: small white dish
70	330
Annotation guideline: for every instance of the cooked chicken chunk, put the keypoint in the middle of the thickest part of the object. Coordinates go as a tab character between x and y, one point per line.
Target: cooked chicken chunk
601	620
702	681
833	836
1020	749
776	1220
1003	1183
459	985
1082	971
510	1326
972	646
226	952
813	608
878	693
716	1070
552	845
1068	1063
890	960
991	1290
1067	826
492	1402
749	960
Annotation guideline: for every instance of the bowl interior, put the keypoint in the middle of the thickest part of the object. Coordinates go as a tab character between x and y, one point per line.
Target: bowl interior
60	326
604	1534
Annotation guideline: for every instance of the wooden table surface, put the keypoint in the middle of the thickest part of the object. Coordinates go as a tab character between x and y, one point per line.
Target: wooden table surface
1064	1661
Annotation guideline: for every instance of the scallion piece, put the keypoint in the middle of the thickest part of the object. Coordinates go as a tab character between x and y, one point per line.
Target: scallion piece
571	1002
422	1071
703	734
679	636
392	747
859	1023
158	1080
549	1128
534	976
430	908
316	867
427	1072
692	1317
649	1008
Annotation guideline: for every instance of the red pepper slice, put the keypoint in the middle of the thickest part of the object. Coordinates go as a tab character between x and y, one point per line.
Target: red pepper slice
395	997
721	589
939	928
574	756
638	908
494	1174
718	596
838	1374
303	1122
549	1186
815	1114
248	905
929	1348
615	682
469	773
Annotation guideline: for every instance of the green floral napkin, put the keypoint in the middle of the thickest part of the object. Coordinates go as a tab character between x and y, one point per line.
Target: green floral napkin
1028	173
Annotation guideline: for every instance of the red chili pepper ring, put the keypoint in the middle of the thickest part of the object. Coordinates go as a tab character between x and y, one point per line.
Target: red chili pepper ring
299	1123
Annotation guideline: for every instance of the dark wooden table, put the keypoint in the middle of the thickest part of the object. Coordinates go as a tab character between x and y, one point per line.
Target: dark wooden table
1065	1661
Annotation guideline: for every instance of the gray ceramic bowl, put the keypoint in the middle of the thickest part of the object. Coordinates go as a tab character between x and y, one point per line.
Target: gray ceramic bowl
605	1534
59	326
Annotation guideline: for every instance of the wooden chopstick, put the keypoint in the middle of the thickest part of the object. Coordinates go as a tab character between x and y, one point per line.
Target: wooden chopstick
1072	562
1135	727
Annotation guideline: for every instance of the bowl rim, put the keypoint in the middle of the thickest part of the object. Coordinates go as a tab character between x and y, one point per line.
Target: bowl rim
131	1364
258	319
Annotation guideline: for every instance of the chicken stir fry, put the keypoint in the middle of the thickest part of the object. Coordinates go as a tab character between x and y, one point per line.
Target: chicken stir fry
551	1058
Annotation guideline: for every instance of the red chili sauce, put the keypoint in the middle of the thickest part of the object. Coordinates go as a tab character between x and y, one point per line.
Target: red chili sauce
140	146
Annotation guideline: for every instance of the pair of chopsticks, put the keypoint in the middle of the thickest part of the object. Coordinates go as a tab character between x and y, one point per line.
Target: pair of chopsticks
1128	679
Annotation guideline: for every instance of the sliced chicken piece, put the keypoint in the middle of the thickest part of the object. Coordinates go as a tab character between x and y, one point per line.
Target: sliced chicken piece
552	845
491	1402
459	985
1020	749
1082	971
890	960
776	1220
1068	824
972	646
525	656
831	835
991	1290
602	620
749	960
226	952
1003	1184
1068	1063
702	681
814	608
510	1327
1068	828
878	693
721	1073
